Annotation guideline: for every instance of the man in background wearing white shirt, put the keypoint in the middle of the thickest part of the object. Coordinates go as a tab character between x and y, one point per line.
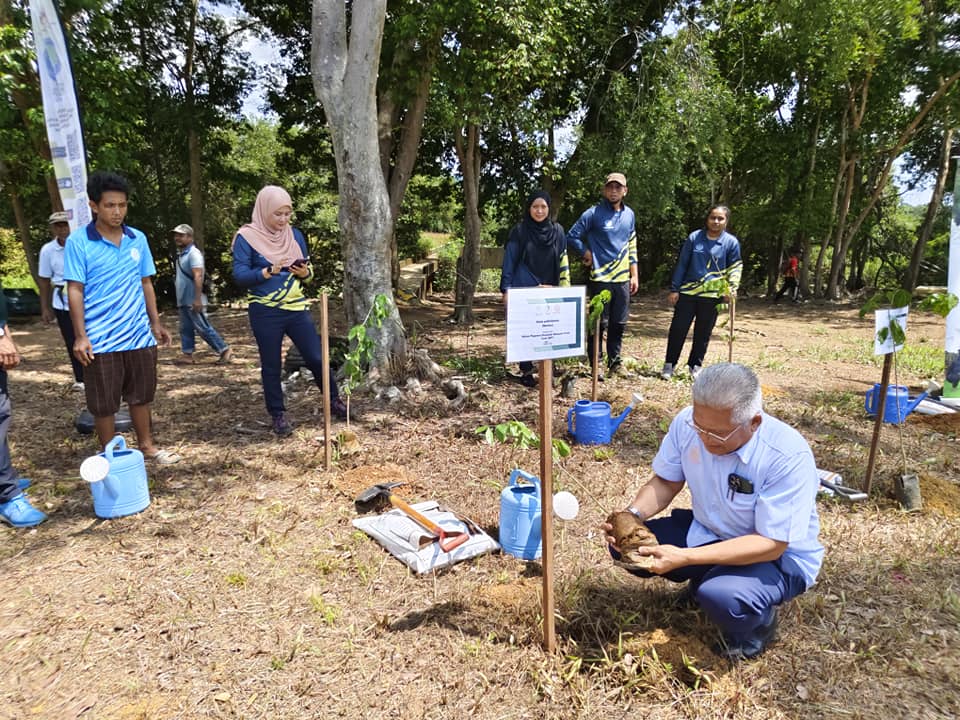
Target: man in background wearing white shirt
54	304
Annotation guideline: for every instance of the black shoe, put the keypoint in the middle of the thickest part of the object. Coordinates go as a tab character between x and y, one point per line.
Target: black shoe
615	367
746	648
282	426
528	380
339	409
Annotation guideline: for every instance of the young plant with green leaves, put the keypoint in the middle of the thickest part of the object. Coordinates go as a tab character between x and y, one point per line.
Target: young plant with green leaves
939	303
522	437
594	314
721	287
362	347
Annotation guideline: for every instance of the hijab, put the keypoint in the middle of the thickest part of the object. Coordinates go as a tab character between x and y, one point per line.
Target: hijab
278	247
544	234
541	243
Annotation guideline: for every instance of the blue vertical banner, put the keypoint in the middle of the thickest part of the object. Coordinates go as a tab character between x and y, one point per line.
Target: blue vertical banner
60	112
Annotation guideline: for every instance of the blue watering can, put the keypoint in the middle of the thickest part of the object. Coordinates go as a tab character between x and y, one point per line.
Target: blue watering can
592	423
897	406
118	480
520	529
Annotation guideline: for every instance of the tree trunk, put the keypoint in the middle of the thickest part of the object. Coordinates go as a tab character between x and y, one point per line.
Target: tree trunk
878	184
468	264
197	210
407	144
926	228
803	238
344	79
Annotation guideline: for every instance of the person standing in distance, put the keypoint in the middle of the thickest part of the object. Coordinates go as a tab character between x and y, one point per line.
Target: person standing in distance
708	254
535	256
191	302
108	268
54	304
270	260
605	236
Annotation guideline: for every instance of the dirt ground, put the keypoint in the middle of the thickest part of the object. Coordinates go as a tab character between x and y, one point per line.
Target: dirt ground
243	590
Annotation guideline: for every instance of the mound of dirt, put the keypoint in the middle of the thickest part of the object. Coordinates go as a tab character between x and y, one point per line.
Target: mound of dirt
940	494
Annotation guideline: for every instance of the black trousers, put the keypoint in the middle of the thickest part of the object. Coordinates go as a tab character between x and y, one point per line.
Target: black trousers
613	321
789	286
690	308
66	330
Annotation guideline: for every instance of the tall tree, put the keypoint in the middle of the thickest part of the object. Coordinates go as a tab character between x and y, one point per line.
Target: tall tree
344	60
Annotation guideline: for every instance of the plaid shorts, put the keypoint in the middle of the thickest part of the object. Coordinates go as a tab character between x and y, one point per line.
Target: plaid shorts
130	375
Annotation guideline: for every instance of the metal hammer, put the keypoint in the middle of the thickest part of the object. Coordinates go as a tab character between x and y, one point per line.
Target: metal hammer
447	541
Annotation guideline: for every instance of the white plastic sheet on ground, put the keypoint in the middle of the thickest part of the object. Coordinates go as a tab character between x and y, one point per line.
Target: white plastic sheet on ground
402	536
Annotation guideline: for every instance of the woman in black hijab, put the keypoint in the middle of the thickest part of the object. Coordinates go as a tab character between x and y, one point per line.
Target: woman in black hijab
535	256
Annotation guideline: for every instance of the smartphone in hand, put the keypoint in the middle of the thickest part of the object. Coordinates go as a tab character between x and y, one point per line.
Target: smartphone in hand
295	264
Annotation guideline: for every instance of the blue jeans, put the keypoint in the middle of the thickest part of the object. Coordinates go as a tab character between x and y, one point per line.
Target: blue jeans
739	599
269	325
193	323
8	476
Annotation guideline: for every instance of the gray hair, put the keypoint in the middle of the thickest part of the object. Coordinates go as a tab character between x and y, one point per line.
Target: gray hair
729	386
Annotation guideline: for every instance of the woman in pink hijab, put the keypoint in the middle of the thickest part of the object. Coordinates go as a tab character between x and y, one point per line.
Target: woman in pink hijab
270	260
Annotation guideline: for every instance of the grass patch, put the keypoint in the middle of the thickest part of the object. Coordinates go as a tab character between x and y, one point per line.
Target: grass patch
478	369
919	359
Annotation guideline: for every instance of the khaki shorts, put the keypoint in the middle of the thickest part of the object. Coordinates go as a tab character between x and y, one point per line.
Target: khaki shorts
129	375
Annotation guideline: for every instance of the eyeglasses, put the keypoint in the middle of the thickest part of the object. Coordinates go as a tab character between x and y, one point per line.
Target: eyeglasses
719	438
717	218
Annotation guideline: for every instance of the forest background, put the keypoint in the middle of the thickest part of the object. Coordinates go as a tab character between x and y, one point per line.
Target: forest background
809	118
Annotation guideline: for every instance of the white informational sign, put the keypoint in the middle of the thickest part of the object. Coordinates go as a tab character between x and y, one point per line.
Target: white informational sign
952	339
60	111
883	320
546	322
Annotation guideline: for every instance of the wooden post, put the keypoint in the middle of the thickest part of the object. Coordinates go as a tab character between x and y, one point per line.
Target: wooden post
596	359
325	352
733	305
546	501
878	423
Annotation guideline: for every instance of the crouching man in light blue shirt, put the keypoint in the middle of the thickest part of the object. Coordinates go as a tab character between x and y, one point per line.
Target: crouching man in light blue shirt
750	541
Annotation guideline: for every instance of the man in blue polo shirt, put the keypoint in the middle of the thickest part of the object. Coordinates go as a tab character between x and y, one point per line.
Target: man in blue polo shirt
749	543
606	237
108	267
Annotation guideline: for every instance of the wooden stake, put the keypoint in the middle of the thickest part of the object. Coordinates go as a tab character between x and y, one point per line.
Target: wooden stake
733	305
546	501
325	352
878	423
596	360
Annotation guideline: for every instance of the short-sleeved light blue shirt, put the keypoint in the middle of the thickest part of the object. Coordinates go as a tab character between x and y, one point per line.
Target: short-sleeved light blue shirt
783	506
188	259
115	311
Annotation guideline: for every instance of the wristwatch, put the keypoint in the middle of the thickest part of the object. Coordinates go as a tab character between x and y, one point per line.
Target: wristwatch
636	513
3	331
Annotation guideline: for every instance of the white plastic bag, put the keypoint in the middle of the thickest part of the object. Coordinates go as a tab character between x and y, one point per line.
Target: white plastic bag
402	537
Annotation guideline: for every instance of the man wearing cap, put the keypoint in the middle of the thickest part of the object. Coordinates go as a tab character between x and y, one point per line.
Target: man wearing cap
191	301
54	305
606	238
